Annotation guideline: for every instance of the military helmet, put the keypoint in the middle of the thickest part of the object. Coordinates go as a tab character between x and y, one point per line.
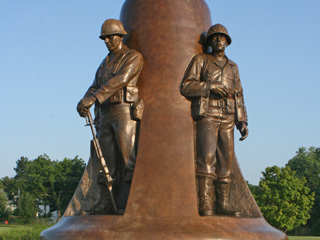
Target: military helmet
112	27
217	29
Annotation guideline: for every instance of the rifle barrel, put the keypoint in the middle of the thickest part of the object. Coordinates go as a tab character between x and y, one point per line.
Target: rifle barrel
102	161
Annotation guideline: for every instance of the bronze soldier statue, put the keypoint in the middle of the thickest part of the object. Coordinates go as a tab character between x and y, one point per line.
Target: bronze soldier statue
117	106
212	83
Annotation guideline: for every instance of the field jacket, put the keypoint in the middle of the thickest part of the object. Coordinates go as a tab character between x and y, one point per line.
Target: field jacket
203	72
115	80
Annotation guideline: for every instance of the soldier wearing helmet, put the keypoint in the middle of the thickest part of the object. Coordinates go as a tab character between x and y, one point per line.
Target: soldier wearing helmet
117	109
212	83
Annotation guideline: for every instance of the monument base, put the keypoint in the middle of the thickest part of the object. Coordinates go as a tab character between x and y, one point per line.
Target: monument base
200	228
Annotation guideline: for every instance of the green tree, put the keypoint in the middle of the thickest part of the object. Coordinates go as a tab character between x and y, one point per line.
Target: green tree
4	211
316	228
254	189
36	177
306	163
69	173
283	198
10	186
27	209
51	182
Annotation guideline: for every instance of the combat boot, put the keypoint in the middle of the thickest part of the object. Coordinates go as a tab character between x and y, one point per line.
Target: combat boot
206	196
222	201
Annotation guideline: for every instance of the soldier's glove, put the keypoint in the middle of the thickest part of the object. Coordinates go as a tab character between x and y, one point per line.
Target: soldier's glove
85	104
219	89
243	129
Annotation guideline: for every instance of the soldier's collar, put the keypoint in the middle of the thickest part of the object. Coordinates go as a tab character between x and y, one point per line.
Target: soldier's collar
123	50
228	61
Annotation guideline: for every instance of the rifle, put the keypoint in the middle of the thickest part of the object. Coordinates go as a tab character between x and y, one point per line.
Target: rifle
105	169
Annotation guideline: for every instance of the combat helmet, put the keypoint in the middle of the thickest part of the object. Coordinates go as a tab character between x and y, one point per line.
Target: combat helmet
217	29
112	27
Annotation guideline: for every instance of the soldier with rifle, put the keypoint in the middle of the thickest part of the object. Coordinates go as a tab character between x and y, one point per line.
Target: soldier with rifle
117	106
212	83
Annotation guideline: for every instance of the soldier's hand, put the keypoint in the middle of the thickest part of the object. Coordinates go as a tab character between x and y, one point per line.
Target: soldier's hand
84	112
243	129
85	104
219	89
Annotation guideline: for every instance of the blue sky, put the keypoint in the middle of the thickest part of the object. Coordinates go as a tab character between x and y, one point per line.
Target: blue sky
50	50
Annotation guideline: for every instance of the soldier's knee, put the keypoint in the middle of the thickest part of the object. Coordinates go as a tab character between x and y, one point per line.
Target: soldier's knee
210	158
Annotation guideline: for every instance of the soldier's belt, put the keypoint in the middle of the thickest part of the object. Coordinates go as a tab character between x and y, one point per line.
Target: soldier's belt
202	107
216	103
128	94
221	102
227	105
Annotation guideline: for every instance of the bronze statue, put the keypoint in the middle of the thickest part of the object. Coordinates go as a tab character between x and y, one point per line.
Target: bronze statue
212	83
117	107
163	202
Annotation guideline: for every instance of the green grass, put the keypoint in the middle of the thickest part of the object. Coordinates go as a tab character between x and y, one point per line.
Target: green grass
6	228
19	232
303	238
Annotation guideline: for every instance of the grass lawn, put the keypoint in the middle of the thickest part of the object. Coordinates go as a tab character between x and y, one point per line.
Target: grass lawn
6	228
17	232
303	238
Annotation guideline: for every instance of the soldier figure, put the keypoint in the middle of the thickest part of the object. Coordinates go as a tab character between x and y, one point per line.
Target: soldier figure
213	85
115	95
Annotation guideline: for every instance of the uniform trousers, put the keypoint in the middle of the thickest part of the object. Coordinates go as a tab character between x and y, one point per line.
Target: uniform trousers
117	138
215	146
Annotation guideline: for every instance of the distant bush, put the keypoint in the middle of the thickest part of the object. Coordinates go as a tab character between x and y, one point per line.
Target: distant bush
4	211
27	208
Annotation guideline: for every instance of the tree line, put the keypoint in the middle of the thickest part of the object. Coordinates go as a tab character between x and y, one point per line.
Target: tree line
289	197
42	181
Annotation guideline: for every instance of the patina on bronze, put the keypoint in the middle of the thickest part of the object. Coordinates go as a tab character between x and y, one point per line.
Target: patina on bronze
163	202
212	83
115	93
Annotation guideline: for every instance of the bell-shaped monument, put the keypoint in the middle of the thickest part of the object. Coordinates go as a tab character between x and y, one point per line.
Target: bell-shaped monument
163	200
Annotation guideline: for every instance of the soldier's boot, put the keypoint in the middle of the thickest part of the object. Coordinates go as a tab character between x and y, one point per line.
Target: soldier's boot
103	206
222	202
206	196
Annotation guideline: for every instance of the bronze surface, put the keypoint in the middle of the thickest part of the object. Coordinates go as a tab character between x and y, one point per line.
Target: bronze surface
163	199
204	228
212	84
115	95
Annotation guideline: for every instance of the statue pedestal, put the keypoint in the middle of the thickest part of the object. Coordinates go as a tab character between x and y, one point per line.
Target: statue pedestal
163	201
200	228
